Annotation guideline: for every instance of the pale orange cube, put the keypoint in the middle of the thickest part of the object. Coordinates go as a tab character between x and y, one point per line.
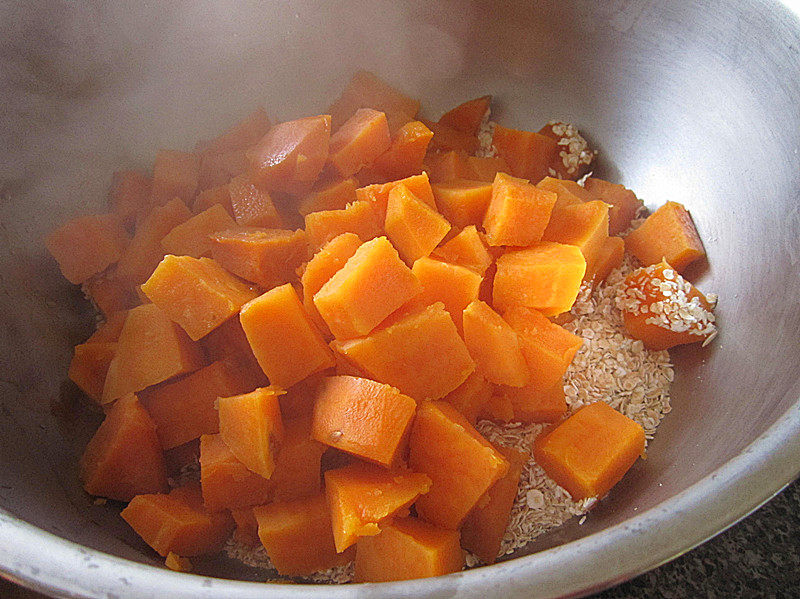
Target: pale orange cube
518	212
175	175
89	365
568	193
406	152
252	206
467	248
624	203
453	285
471	396
225	481
608	258
463	201
486	168
534	403
193	238
378	194
447	166
331	196
361	139
220	194
583	225
359	217
413	227
87	245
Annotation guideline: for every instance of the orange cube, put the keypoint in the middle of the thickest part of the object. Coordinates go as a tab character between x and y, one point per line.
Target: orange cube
447	138
286	344
129	196
150	350
378	195
227	484
414	228
498	409
546	276
518	212
366	90
298	462
407	549
178	522
359	218
528	154
371	285
590	451
361	139
406	152
533	403
110	330
218	168
468	249
220	194
447	166
455	286
568	193
252	206
471	396
583	225
486	168
124	458
298	536
267	257
175	175
362	417
89	365
87	245
192	238
548	348
240	136
608	258
667	234
421	354
462	201
460	462
108	292
624	203
467	117
363	498
331	196
198	294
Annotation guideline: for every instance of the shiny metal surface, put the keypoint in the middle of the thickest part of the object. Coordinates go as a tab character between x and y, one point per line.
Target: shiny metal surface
693	102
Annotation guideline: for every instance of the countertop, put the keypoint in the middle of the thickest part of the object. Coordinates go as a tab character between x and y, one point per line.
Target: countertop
758	557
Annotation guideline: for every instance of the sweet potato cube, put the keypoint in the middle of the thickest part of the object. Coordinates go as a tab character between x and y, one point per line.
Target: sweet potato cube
229	343
145	251
404	156
494	346
359	217
421	354
240	136
583	225
371	285
486	168
185	409
408	549
663	309
129	196
298	536
568	193
267	257
150	350
528	154
498	409
178	522
608	258
192	238
198	294
226	482
378	195
360	139
484	528
87	245
363	497
362	417
471	396
286	344
89	365
298	463
462	201
332	196
252	206
453	285
460	462
546	276
548	348
246	531
533	403
366	90
447	166
175	175
518	212
590	451
468	249
667	234
624	203
446	138
291	154
110	330
413	227
467	117
219	195
251	425
218	168
124	458
109	293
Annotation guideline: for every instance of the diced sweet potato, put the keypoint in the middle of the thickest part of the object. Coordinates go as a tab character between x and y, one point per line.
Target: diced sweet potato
331	196
498	409
590	451
360	139
406	549
267	257
218	168
448	166
371	285
175	175
89	365
467	117
447	138
667	234
228	342
240	136
359	217
608	258
528	154
124	458
471	396
87	245
218	195
226	482
463	201
494	346
192	238
421	354
362	417
298	536
460	462
251	425
198	294
291	154
298	463
110	330
129	196
486	168
583	225
533	403
467	248
286	344
378	195
568	193
624	203
150	350
455	286
518	212
406	152
484	528
246	531
366	90
546	276
109	293
414	228
178	522
252	206
363	498
145	251
548	348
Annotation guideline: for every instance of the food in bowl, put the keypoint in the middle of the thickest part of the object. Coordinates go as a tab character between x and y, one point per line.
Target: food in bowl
461	347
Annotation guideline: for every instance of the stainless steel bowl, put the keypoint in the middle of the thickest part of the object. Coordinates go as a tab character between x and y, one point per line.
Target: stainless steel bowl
694	102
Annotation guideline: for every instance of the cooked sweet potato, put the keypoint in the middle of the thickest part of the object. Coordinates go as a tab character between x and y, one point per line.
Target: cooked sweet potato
518	212
583	225
533	403
252	205
334	195
467	117
447	138
453	285
463	201
359	217
228	484
448	166
486	168
89	365
413	227
298	463
467	248
192	238
87	245
624	203
378	194
129	196
366	90
471	396
528	154
175	175
217	195
404	156
360	140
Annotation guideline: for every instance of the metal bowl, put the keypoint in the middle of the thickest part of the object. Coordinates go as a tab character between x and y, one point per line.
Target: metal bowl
694	102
